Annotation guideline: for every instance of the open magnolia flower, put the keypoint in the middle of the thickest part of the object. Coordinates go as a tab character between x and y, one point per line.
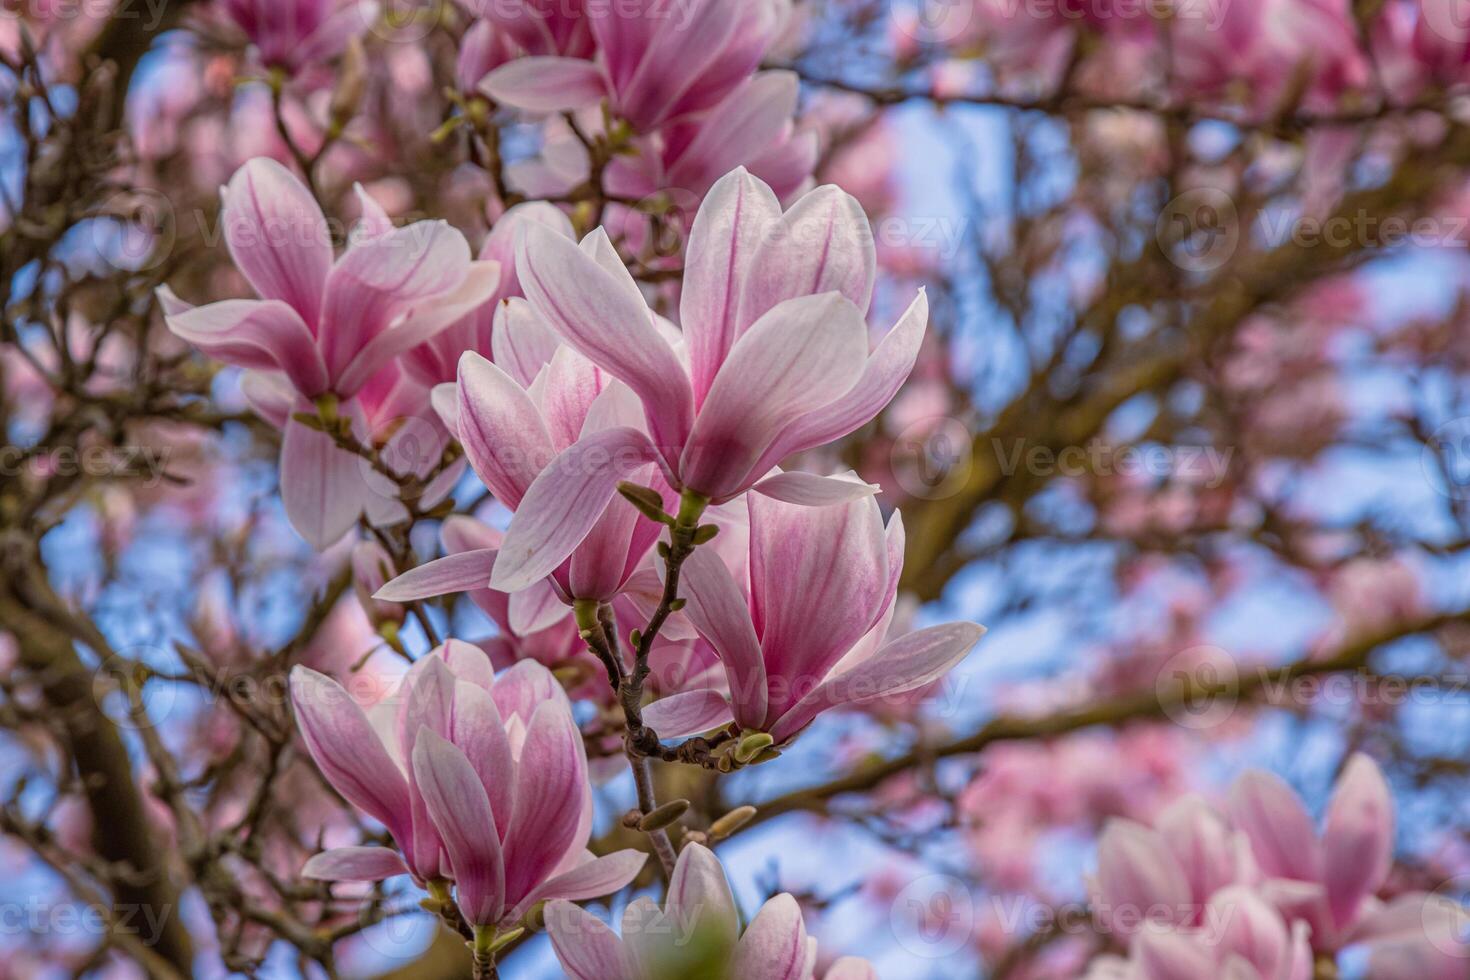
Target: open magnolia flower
804	629
778	360
696	934
513	425
324	326
482	782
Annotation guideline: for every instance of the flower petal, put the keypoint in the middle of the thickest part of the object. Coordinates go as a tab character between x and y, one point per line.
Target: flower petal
551	790
802	355
545	83
592	878
260	334
811	490
563	504
354	864
1357	842
723	617
687	713
736	216
607	320
700	900
586	946
774	945
455	573
905	664
501	430
321	485
823	244
1280	831
278	236
348	751
457	803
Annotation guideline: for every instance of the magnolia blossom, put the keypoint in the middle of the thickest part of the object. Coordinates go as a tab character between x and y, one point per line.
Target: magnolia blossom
804	629
1246	940
481	781
295	34
779	361
511	427
1263	885
696	934
326	329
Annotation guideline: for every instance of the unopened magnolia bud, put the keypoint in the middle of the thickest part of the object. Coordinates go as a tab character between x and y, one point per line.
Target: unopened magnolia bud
706	533
752	745
647	500
535	919
731	822
662	816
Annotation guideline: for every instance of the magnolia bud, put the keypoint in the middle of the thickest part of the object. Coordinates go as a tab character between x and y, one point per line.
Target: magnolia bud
731	822
662	816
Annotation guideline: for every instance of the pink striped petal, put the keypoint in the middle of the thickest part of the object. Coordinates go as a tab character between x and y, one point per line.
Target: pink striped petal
905	664
1138	880
348	751
592	878
536	608
800	356
261	334
1357	841
1172	956
606	319
754	116
322	486
462	572
700	900
354	864
379	281
545	83
722	616
501	430
1280	831
687	713
736	216
774	945
810	490
822	244
561	506
586	946
521	690
850	968
457	803
478	730
885	371
551	790
278	236
522	342
420	323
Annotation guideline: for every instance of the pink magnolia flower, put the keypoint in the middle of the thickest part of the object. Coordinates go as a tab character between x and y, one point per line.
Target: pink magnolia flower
1326	880
296	34
436	360
327	328
657	60
1167	875
804	631
513	425
482	781
1246	939
696	933
779	362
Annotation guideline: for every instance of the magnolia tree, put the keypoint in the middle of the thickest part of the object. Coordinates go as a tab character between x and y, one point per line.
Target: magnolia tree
509	488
